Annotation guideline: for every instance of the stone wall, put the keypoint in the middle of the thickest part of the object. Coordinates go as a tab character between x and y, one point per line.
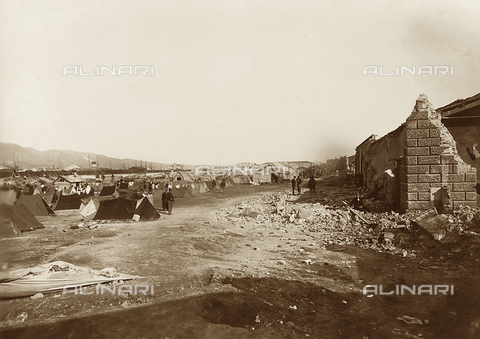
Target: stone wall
378	164
432	162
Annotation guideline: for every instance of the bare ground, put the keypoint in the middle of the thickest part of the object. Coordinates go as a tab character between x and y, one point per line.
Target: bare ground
217	279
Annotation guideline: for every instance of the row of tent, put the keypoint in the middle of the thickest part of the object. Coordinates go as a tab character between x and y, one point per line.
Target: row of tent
21	216
182	189
108	204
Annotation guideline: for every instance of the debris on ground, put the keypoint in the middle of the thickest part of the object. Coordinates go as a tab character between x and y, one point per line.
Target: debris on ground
411	320
333	223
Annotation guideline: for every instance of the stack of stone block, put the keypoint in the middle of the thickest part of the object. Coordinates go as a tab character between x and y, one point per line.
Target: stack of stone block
432	162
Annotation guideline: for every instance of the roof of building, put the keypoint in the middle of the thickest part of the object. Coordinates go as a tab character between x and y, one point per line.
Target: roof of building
366	141
459	105
70	178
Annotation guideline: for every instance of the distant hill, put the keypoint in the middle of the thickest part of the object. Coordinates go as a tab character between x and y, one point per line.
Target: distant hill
28	158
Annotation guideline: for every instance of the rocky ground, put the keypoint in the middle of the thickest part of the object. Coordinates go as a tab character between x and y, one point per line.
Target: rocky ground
258	262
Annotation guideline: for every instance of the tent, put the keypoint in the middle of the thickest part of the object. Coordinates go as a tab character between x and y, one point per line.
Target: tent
107	190
188	192
210	185
35	204
230	181
118	208
90	209
259	178
47	197
127	193
178	191
7	228
145	210
193	188
68	202
183	176
21	217
244	179
203	188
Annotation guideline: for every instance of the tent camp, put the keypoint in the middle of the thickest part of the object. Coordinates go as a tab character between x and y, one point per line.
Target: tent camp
35	204
21	217
68	202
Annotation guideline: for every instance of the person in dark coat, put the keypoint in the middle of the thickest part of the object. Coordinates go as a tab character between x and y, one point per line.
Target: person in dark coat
170	201
164	199
294	183
299	182
311	185
214	185
223	184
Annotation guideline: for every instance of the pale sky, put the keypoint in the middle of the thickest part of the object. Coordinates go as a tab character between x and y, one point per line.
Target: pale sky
234	81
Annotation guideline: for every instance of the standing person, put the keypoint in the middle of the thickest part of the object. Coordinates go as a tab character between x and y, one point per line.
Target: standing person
223	184
311	185
170	201
294	183
299	182
214	184
164	199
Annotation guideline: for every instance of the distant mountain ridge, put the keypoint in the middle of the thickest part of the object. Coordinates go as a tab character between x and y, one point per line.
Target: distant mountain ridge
29	158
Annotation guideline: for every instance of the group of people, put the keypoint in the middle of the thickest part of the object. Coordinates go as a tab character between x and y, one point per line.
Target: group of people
223	184
167	200
297	181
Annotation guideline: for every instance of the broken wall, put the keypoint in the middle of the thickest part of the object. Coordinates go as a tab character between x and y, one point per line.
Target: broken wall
465	129
379	164
432	162
409	166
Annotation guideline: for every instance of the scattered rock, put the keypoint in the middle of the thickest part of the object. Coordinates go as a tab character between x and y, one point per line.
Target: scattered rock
37	296
109	272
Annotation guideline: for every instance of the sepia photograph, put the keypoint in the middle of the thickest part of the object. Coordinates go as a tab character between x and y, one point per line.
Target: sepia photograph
240	169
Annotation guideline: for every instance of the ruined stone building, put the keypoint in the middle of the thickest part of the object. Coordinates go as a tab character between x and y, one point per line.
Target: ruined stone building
431	160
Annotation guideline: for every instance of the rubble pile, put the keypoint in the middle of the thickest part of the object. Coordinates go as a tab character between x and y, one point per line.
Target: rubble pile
401	234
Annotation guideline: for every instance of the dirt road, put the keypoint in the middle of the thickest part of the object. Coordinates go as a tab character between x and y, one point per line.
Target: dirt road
217	279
